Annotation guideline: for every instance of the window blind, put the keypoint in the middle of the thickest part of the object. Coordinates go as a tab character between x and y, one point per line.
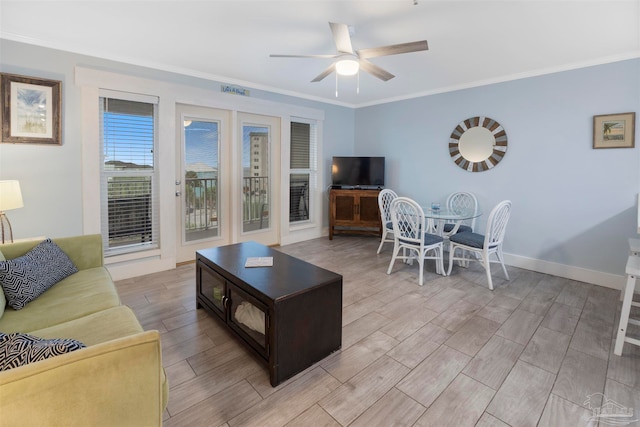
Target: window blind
129	210
302	178
300	145
128	134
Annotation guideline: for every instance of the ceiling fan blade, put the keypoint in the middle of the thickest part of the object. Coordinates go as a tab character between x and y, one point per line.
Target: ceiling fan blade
375	71
393	49
303	56
341	37
325	73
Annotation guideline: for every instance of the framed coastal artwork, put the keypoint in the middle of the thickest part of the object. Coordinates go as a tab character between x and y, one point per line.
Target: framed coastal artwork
31	109
614	130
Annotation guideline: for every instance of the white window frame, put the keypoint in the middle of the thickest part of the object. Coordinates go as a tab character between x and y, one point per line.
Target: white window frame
154	174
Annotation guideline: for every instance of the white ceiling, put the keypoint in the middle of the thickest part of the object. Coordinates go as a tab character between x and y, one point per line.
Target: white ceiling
471	42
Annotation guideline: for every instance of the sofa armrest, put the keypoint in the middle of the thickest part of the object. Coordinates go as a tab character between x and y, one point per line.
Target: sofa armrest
85	251
118	382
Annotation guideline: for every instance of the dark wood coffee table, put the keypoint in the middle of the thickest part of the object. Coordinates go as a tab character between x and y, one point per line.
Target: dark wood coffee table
289	315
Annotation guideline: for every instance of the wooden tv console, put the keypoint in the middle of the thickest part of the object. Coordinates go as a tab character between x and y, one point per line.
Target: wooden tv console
354	211
289	315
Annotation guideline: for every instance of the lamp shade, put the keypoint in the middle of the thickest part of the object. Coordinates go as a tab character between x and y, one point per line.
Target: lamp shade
10	195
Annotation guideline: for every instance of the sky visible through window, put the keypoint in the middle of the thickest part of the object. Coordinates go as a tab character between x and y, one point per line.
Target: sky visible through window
128	139
200	136
201	144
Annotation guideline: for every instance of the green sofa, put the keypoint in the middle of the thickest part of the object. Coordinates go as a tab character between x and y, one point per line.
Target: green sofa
117	380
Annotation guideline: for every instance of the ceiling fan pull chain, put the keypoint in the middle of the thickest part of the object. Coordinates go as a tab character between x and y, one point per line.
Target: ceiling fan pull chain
336	85
358	84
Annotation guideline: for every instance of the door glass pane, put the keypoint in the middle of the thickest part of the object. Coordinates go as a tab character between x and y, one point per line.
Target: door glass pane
255	178
201	180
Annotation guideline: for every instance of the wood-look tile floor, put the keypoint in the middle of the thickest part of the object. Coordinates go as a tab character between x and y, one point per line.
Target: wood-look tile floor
538	350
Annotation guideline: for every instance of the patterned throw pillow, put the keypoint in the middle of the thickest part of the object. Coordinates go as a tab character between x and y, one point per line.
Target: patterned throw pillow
18	349
25	278
3	300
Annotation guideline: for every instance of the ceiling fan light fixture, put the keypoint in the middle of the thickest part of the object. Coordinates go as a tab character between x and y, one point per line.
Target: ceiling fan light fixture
347	67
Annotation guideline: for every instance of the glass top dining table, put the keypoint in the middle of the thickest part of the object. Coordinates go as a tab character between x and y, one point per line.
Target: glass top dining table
454	216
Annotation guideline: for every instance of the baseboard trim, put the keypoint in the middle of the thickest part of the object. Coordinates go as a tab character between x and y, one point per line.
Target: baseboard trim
135	268
580	274
594	277
301	236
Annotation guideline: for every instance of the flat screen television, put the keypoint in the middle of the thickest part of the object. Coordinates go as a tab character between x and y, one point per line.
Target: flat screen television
357	172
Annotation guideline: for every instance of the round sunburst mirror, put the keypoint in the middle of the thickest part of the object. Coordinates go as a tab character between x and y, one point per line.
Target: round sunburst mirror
478	144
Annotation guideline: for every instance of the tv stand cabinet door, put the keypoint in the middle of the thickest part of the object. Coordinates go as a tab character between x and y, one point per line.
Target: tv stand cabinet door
368	210
345	208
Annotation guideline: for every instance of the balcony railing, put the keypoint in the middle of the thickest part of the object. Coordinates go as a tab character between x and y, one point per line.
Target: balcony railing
201	202
130	216
255	193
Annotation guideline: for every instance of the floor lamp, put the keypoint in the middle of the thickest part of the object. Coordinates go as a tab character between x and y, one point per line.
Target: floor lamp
10	198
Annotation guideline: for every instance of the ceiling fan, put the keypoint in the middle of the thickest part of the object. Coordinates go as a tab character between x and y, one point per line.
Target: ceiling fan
348	61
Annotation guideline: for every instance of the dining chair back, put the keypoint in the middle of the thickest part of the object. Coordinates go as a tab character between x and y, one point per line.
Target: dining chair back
461	200
483	246
385	197
411	236
497	224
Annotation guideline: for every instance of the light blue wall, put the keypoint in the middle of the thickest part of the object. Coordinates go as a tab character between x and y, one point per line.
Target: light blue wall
572	205
51	176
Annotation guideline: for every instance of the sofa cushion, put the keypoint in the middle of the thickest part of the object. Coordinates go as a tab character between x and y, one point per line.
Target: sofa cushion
18	349
96	328
80	294
25	278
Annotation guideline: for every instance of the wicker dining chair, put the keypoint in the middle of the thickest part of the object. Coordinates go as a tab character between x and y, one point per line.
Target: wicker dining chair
483	246
411	236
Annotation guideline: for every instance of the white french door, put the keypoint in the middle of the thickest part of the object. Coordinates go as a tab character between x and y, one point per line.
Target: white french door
228	183
203	184
257	206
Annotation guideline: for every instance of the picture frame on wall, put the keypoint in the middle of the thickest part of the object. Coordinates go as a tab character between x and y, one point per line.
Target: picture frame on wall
614	130
31	110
